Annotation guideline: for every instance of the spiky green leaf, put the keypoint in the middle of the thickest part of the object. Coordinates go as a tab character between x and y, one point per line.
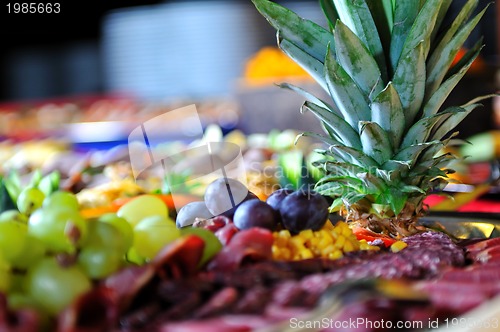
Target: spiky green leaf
305	34
357	157
467	58
405	13
324	139
357	61
453	120
438	98
412	189
330	12
396	199
421	130
314	67
336	169
457	23
357	16
445	5
382	13
330	189
396	165
351	102
421	29
309	96
351	198
373	184
411	153
342	129
348	180
409	82
441	59
387	111
375	141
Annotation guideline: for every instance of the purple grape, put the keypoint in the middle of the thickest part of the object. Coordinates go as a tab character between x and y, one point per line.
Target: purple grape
277	197
303	210
224	194
255	213
230	213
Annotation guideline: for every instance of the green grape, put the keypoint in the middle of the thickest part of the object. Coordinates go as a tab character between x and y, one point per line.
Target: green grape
61	198
212	243
32	251
12	239
13	215
60	229
152	234
29	200
98	262
142	207
54	287
5	275
133	257
121	225
105	235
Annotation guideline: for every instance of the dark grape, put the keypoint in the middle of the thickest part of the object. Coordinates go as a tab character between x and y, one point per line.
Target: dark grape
223	194
190	212
277	197
255	213
230	213
303	210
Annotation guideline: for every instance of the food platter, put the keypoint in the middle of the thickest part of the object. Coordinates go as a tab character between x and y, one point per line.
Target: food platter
130	216
398	287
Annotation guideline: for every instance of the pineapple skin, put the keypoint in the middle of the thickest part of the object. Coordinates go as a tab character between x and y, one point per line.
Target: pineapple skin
388	68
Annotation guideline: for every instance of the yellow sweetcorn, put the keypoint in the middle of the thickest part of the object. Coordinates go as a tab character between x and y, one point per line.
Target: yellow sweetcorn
398	246
331	242
364	245
337	254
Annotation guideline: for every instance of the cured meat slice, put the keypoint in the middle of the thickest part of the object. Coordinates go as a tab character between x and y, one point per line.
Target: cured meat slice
253	244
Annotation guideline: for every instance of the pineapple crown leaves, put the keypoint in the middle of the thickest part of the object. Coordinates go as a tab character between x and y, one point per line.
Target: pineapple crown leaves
387	66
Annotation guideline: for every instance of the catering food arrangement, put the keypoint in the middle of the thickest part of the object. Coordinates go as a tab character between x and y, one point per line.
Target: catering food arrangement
328	232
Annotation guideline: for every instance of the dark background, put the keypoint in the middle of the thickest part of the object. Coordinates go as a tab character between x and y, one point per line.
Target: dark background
52	55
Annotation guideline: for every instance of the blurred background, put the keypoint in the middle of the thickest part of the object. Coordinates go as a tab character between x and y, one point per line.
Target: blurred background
177	50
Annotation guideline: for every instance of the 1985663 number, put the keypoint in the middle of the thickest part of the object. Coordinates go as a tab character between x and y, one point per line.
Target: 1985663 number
33	8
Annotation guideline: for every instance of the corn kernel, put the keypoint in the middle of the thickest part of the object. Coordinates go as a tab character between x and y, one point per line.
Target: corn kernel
285	253
335	234
281	242
313	242
306	254
363	245
297	243
328	250
341	225
328	226
337	254
324	242
348	246
398	246
346	231
285	233
325	234
340	242
306	234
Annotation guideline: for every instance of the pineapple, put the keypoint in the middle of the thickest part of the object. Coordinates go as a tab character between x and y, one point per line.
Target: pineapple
387	66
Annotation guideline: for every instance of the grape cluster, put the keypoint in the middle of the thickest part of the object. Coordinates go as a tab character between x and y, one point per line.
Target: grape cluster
50	254
232	204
